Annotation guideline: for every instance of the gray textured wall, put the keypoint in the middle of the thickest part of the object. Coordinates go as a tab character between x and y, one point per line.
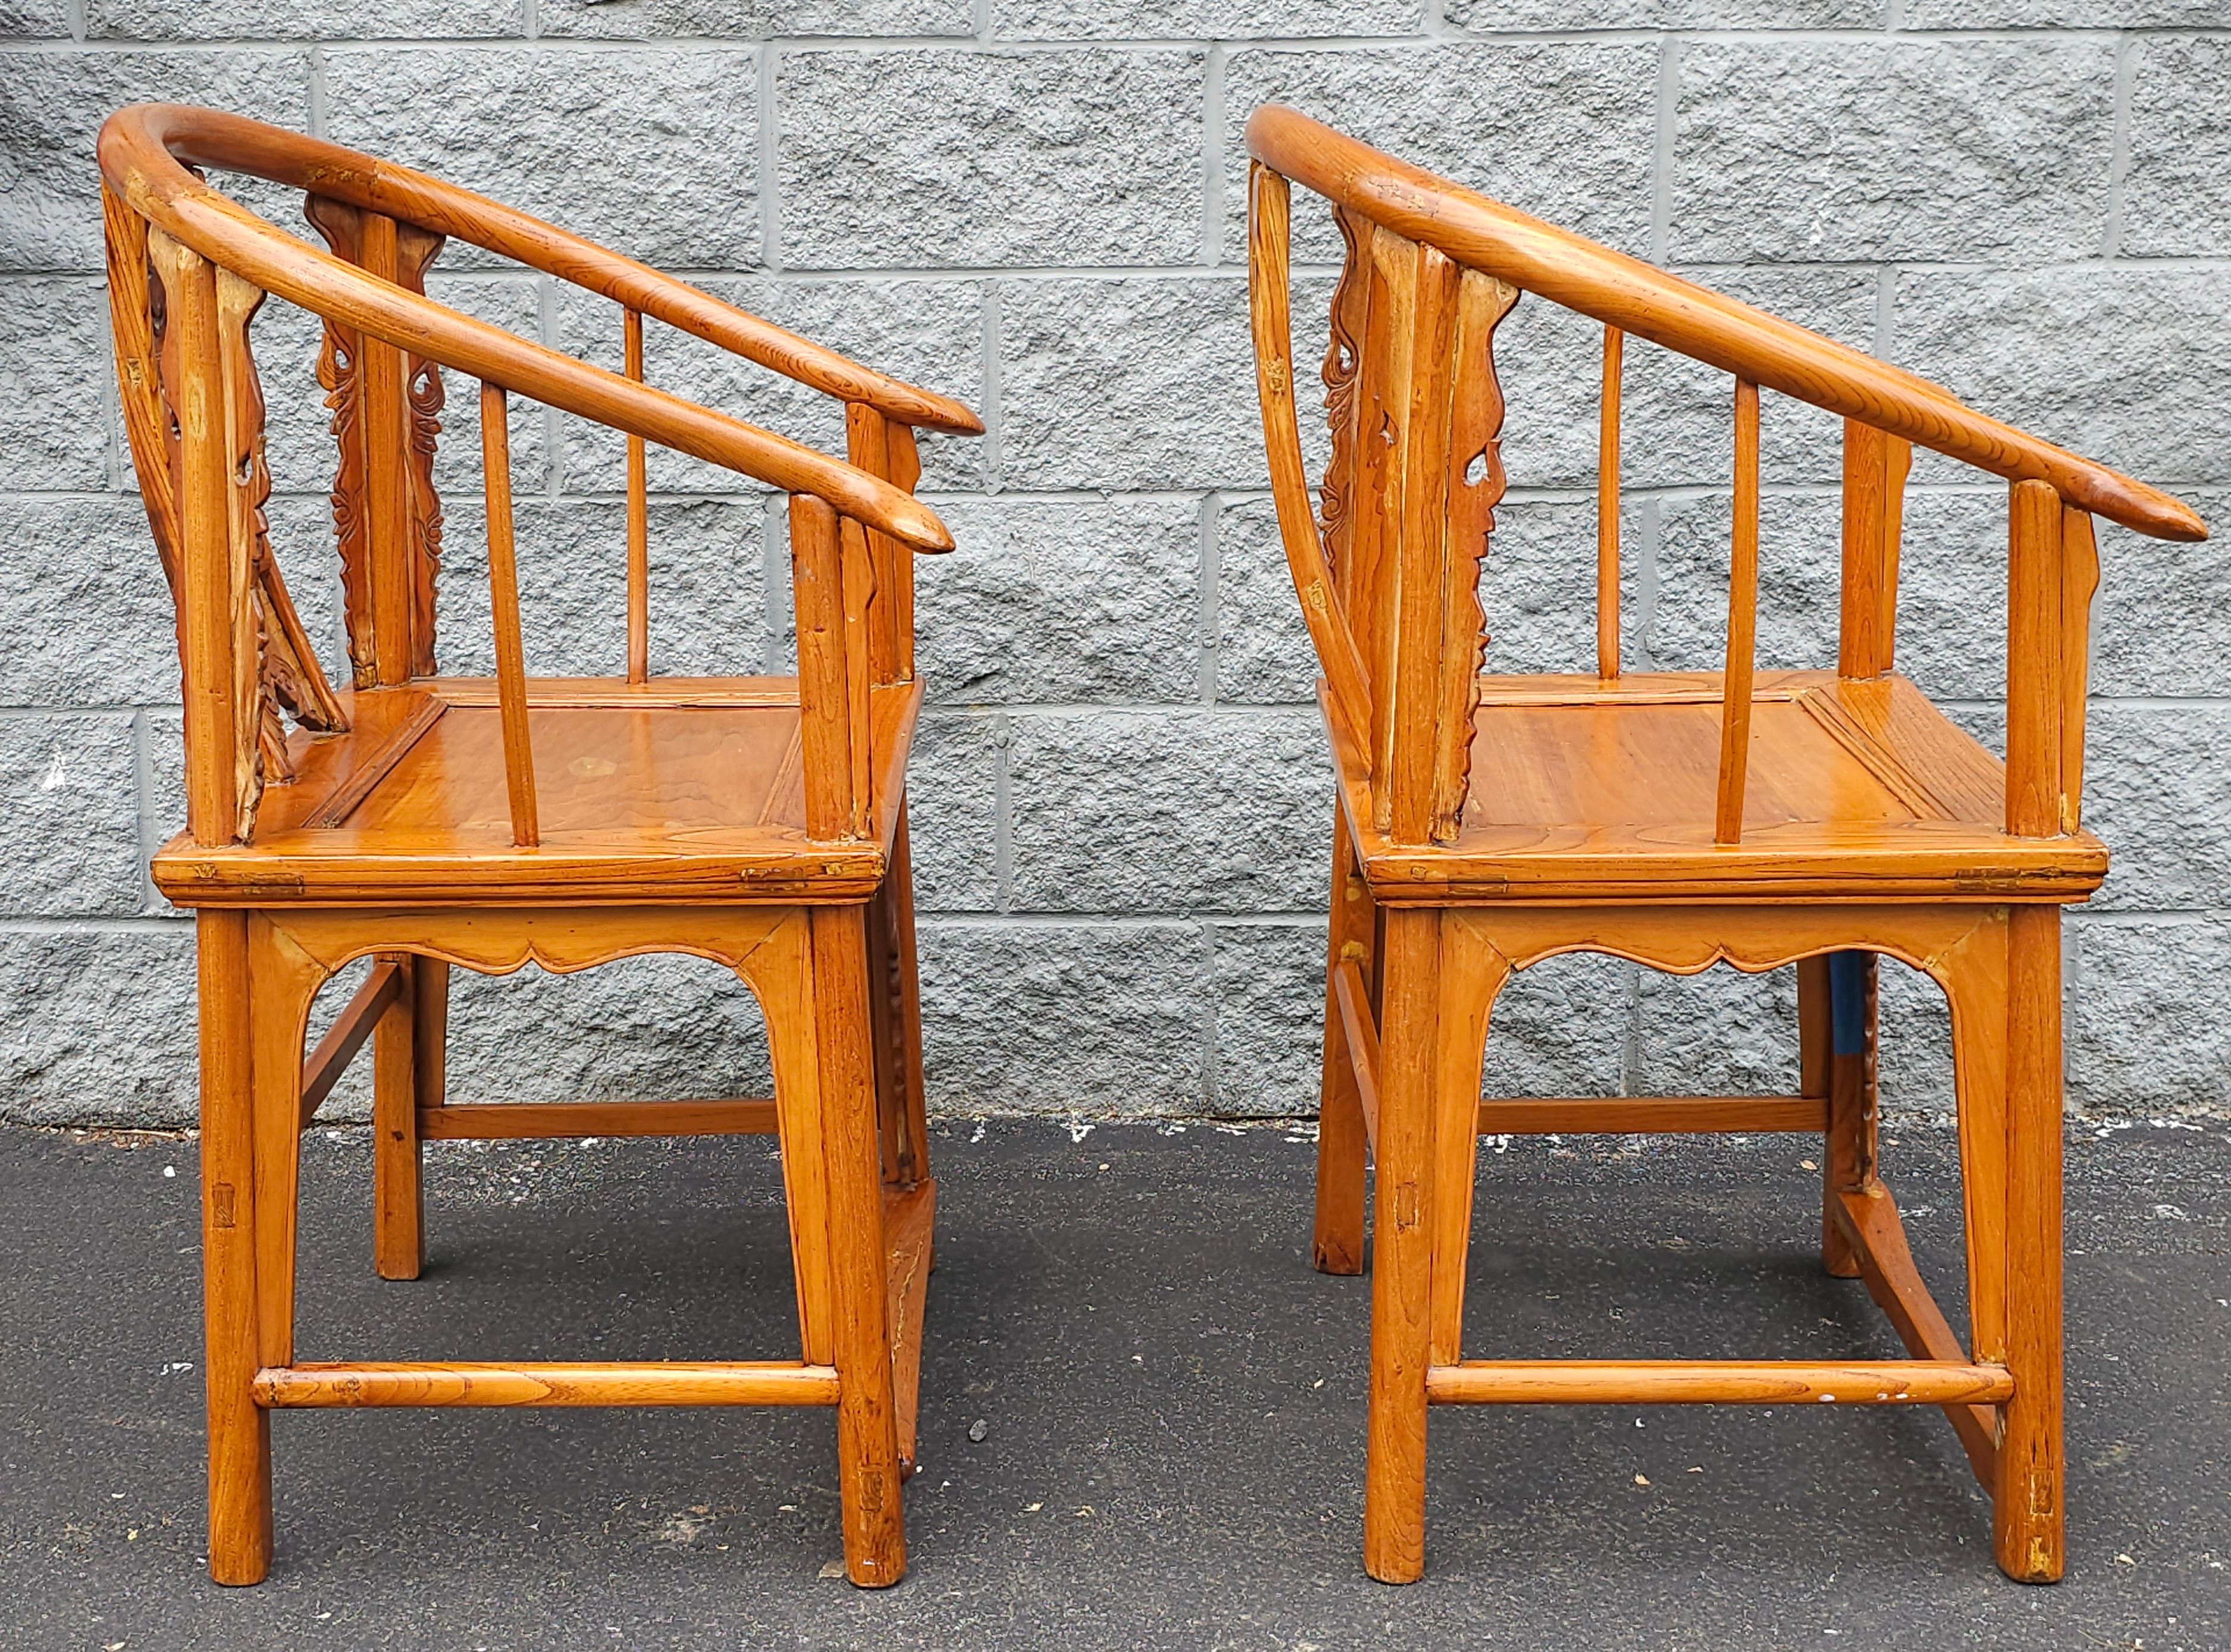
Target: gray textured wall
1037	205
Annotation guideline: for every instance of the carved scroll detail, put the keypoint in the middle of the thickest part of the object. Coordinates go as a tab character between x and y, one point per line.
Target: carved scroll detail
1343	360
1477	484
136	317
340	372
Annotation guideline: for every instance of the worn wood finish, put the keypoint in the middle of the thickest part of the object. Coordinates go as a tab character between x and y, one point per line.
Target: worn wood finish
1653	1115
1742	625
533	1120
428	823
503	604
350	1384
1607	509
1716	1382
638	514
1763	819
1336	1246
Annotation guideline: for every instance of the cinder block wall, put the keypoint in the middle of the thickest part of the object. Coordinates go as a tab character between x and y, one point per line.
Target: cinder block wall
1122	797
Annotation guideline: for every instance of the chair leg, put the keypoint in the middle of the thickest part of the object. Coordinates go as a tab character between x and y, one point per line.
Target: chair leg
1849	1157
867	1429
408	1055
1402	1290
895	1000
1341	1143
2026	1510
239	1429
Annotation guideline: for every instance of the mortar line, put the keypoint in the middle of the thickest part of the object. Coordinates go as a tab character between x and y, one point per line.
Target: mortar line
993	457
1211	161
769	162
2118	161
1212	1074
1210	594
1661	197
1003	829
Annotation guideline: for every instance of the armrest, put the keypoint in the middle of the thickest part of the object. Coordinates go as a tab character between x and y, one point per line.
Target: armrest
227	234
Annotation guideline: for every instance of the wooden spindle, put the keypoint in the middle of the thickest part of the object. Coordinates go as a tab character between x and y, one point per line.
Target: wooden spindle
1742	621
831	672
2079	579
503	604
1608	511
638	522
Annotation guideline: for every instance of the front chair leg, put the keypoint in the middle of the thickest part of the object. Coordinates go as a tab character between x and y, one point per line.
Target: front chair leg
867	1417
1401	1288
2027	1509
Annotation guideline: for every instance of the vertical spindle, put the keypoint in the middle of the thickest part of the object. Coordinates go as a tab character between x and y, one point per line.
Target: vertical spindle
638	521
1742	621
1608	511
503	604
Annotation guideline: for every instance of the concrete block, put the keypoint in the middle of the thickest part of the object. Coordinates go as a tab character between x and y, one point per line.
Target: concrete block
1819	151
2145	1033
1492	17
34	20
1128	384
1268	986
1720	1033
751	19
653	153
953	811
1561	1028
71	835
2097	358
1170	811
1063	601
83	600
1799	567
101	1027
53	372
321	20
2175	199
926	332
1200	19
915	158
51	107
1089	1020
707	610
2148	635
2154	778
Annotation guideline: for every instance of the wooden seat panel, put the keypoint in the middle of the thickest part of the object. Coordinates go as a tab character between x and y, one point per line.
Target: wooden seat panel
674	791
1860	789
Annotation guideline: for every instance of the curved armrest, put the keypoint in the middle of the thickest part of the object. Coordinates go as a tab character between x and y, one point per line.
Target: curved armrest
146	134
1641	299
138	164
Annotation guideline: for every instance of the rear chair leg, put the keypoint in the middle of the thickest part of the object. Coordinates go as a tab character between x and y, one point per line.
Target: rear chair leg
1844	1020
1342	1143
408	1055
2026	1510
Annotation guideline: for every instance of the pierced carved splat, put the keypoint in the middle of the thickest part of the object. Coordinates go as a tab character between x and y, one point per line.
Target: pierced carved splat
402	252
1343	358
1477	484
275	670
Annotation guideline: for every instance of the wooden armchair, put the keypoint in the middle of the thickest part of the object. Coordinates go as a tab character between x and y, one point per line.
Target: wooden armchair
1677	819
426	821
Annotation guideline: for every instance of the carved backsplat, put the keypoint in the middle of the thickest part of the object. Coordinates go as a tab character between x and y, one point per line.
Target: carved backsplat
1343	355
274	669
1416	473
402	252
